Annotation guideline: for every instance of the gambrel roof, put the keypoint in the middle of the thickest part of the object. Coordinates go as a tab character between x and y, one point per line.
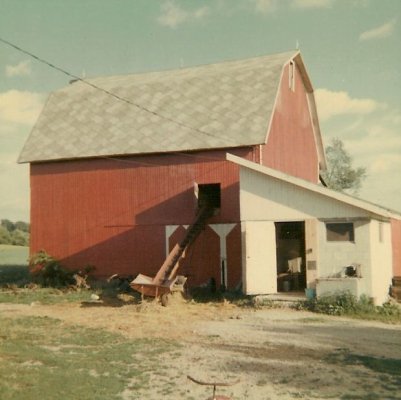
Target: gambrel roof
229	104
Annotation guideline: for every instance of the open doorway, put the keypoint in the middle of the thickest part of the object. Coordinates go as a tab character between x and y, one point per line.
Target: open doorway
210	195
290	253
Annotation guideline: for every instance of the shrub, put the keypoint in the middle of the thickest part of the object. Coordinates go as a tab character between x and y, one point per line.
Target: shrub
390	309
347	304
340	304
48	272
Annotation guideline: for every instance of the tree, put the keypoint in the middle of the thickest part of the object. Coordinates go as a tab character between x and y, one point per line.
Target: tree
22	226
340	174
16	234
5	237
19	238
7	224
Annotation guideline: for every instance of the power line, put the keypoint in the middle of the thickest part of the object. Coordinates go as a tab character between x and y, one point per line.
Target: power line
77	78
114	158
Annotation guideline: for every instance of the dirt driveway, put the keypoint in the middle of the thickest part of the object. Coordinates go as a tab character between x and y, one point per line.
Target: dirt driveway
276	353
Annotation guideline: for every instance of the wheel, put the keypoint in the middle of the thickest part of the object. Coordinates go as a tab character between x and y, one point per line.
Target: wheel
164	299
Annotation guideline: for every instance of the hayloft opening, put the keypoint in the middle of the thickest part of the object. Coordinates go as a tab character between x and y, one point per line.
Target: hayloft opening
209	195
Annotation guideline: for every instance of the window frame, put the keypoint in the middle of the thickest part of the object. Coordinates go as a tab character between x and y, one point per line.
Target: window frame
336	236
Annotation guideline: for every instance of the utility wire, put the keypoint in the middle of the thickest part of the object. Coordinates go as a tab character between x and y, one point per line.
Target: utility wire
75	77
117	159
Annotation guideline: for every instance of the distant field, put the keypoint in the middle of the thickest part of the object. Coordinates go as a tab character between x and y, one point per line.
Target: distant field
13	255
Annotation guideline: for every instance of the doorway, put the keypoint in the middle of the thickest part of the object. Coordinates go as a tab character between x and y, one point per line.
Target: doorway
209	195
290	253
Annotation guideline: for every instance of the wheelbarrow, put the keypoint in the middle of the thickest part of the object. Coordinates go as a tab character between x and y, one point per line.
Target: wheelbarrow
156	288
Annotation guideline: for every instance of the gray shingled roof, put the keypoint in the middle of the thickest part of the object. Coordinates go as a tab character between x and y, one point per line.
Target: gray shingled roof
213	106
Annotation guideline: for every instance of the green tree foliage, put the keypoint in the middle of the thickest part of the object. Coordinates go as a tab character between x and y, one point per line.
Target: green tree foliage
5	237
16	234
22	226
6	223
340	174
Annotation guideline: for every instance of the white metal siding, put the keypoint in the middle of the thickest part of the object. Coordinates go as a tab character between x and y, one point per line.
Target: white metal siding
381	256
266	198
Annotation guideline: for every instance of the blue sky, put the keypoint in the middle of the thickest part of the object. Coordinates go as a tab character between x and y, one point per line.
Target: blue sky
351	49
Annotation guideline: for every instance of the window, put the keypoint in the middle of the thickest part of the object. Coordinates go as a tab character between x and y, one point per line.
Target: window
209	194
340	232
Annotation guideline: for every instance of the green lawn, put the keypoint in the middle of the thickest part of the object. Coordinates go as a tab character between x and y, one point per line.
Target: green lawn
13	264
43	358
13	255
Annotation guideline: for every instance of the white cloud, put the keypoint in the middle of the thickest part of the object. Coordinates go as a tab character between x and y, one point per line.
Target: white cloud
264	6
330	104
380	32
18	111
20	107
360	3
312	3
22	68
14	202
386	163
173	15
201	12
374	142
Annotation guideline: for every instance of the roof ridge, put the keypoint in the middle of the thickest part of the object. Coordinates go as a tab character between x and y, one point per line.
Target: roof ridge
190	67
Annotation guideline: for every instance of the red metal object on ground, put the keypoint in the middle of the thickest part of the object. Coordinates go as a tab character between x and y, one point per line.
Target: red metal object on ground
214	384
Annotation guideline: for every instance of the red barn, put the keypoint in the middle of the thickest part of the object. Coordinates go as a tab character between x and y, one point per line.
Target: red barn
121	164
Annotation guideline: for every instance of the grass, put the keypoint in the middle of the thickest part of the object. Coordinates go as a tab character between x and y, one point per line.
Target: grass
43	358
14	275
386	369
43	295
14	265
14	278
13	255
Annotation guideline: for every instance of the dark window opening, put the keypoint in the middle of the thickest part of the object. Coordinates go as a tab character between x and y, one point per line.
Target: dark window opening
209	195
340	232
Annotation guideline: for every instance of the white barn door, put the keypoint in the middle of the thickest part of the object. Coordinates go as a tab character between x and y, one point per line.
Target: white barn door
259	268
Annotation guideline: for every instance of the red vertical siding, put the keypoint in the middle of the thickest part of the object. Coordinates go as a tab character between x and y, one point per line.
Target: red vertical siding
396	243
291	144
112	213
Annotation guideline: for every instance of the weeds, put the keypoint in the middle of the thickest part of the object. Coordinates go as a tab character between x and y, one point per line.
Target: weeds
348	305
48	272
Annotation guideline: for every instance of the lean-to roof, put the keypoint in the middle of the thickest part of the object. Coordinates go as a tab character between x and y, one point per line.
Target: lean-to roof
373	209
